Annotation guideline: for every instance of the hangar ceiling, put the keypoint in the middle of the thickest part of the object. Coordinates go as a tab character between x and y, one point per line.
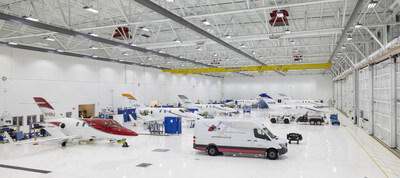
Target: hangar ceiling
309	32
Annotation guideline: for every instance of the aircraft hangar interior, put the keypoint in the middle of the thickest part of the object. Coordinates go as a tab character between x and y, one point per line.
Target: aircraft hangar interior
199	88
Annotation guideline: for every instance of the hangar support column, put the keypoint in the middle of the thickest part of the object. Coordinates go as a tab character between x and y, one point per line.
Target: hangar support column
356	95
393	114
371	100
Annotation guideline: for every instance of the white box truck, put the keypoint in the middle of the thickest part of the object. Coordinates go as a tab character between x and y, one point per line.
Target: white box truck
237	136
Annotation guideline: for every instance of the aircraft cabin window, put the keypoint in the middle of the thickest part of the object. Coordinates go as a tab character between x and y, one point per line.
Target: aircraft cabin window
160	111
83	125
105	123
77	124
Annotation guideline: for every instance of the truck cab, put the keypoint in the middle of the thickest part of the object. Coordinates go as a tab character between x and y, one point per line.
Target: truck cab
237	136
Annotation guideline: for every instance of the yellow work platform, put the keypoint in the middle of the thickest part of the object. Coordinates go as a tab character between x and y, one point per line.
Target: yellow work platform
260	69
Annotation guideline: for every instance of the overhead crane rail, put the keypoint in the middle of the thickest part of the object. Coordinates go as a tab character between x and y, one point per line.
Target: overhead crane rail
260	69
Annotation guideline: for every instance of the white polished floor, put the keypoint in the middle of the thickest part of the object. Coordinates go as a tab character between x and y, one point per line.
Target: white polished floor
326	151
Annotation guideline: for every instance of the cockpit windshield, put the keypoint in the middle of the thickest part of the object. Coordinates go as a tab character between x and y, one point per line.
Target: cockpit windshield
114	124
269	133
183	110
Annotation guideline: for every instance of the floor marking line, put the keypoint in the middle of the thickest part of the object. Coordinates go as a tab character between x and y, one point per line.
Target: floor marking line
391	168
366	152
394	174
24	169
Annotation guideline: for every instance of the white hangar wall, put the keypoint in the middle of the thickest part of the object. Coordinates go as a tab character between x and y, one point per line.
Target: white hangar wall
313	87
69	81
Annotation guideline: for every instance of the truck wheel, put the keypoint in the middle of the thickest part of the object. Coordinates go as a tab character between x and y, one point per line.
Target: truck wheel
312	122
273	120
272	154
290	141
286	121
318	122
64	143
212	151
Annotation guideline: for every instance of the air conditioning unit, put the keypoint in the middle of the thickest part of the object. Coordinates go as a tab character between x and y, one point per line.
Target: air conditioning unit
278	18
122	33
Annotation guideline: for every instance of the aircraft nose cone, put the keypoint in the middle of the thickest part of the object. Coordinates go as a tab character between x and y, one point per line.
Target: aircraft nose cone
131	133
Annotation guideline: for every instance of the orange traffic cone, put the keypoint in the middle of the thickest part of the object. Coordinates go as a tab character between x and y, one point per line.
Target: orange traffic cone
35	138
269	115
134	124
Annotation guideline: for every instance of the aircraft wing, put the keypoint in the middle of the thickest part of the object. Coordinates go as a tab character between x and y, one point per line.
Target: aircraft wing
56	136
149	118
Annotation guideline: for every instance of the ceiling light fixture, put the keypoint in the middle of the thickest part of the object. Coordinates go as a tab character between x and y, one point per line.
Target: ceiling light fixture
343	47
372	4
12	43
253	52
228	36
132	44
49	39
93	47
215	54
349	38
287	31
205	22
177	41
90	9
93	34
149	58
358	25
279	14
144	29
199	48
60	51
30	18
170	0
242	46
94	56
295	49
125	54
292	42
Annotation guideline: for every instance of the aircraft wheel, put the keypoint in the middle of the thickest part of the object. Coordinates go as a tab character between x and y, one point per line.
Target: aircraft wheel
64	143
125	144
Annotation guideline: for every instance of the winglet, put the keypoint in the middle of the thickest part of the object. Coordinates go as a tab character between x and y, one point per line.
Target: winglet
129	96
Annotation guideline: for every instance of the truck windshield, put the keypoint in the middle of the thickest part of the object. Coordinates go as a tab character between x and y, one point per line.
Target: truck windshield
269	133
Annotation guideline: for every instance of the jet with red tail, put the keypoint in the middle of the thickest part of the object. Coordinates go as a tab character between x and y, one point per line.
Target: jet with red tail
68	129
